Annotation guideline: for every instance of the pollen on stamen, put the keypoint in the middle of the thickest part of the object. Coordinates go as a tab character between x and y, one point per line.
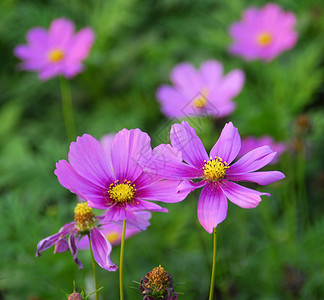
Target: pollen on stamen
215	169
83	216
264	39
122	192
56	55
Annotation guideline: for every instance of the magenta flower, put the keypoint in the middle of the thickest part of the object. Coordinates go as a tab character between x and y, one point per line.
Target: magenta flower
112	179
215	172
69	234
113	231
202	92
263	33
56	52
249	143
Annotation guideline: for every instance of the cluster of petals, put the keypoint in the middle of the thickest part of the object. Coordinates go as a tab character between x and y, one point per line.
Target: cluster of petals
250	142
200	92
263	33
67	239
187	158
59	51
93	172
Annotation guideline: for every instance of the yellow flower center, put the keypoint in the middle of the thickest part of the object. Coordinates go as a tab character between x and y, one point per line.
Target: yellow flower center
158	278
113	237
264	39
83	216
201	101
215	169
55	55
122	192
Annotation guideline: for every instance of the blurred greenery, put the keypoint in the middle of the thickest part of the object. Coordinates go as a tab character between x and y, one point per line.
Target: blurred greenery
272	252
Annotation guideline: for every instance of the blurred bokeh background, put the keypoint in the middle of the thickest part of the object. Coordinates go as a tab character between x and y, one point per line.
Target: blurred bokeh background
274	251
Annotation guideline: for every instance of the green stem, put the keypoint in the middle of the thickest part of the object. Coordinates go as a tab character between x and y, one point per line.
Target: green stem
94	269
121	262
67	109
212	280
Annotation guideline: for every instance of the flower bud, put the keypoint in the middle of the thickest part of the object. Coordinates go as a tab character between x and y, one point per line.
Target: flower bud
157	284
75	296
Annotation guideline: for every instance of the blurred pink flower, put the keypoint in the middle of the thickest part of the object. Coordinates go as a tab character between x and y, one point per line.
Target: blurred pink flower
249	143
200	92
113	231
263	33
56	52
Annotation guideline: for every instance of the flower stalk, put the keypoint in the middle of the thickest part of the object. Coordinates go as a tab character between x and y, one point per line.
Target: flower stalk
121	263
94	270
212	280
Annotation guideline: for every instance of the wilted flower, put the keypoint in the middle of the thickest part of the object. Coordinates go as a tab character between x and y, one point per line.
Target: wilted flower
200	92
56	52
249	143
84	224
157	284
112	178
263	33
113	231
215	172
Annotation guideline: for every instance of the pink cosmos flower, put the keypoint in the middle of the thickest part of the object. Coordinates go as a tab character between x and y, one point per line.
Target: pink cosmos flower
111	178
84	224
113	231
200	92
215	172
56	52
263	33
249	143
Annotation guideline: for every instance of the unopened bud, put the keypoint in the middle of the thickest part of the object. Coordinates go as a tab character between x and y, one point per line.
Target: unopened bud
75	296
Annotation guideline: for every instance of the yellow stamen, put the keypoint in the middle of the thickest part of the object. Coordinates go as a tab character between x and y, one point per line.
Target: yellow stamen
83	216
113	237
215	169
55	55
201	101
122	192
264	39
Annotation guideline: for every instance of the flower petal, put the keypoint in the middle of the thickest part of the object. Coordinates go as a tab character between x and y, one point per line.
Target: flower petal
212	207
165	191
80	46
241	196
232	84
184	138
127	148
74	250
252	161
60	33
48	242
228	145
101	250
88	159
262	178
88	191
211	72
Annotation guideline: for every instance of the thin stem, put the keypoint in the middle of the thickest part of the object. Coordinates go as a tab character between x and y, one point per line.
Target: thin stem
94	269
121	262
67	109
212	280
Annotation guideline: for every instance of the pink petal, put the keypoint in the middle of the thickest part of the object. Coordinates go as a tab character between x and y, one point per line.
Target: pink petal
140	205
88	159
106	142
184	138
60	33
228	145
74	250
262	178
232	84
127	148
165	191
212	207
38	39
85	189
211	72
101	250
241	196
81	45
252	161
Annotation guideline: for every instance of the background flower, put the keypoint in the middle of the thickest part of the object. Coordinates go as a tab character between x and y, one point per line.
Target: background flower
250	142
200	92
263	33
56	52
